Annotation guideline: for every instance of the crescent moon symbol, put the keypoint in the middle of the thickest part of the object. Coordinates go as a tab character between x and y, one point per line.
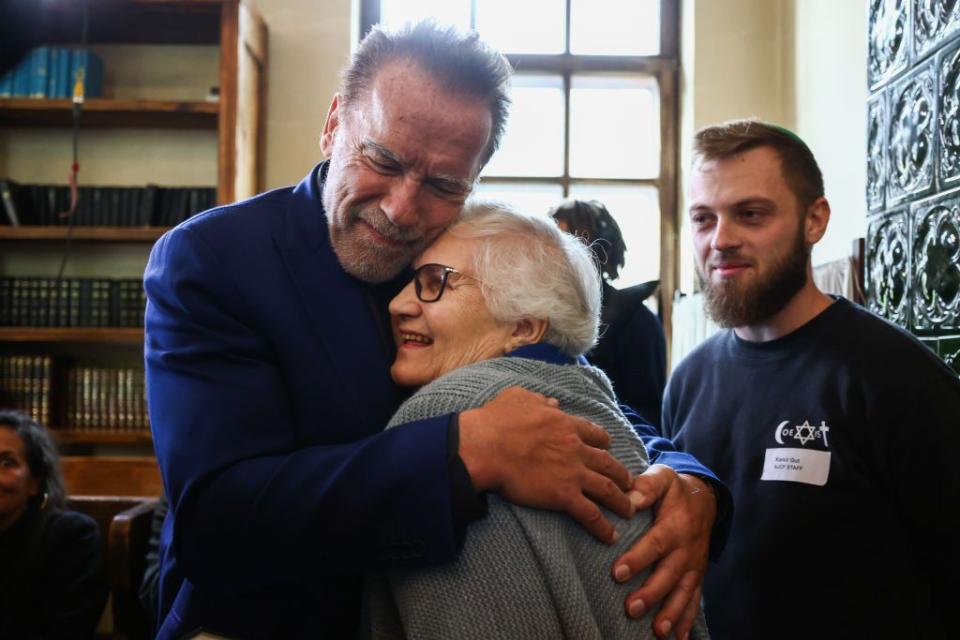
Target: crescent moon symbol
776	434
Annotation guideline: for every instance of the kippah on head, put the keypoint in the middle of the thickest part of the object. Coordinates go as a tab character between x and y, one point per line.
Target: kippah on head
799	167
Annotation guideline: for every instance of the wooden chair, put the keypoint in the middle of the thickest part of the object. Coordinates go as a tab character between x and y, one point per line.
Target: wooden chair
120	494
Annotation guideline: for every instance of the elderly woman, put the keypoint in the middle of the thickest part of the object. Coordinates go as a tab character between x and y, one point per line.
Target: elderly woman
500	300
51	584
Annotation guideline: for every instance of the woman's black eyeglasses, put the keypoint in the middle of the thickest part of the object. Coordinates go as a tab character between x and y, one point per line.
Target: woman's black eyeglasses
429	280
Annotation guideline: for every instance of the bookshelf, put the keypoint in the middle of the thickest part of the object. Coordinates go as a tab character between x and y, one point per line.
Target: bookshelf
122	336
158	122
100	436
45	233
99	112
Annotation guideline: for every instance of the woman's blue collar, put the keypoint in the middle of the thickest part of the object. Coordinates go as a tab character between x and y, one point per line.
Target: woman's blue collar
546	353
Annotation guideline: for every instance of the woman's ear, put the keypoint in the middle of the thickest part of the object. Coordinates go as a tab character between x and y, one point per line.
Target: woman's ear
526	331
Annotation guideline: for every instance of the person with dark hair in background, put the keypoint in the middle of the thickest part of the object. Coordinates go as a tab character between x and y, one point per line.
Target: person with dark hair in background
631	349
51	583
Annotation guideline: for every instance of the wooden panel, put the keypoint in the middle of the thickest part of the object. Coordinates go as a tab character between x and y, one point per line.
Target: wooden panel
111	476
251	75
669	215
669	28
100	436
226	158
580	63
98	112
41	233
35	334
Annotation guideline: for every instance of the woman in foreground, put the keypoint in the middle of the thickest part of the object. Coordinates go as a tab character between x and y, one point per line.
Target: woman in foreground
502	299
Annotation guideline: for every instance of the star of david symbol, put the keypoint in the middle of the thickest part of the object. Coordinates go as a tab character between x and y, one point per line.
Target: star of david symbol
805	432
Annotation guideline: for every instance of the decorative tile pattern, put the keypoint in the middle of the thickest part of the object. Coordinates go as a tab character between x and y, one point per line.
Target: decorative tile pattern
888	33
949	116
931	343
950	352
936	265
877	125
887	267
913	169
911	136
933	22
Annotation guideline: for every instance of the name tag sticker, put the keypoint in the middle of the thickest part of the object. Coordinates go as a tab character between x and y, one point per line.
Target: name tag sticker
797	465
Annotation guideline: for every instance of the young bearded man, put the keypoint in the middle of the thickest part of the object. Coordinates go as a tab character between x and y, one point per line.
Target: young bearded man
834	429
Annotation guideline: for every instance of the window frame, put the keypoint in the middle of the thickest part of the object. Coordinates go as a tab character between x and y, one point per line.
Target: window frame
664	68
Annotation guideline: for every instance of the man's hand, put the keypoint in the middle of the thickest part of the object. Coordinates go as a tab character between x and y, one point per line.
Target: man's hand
679	541
523	447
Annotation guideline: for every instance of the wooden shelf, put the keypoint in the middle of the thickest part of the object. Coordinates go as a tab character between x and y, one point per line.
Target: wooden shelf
131	21
84	234
106	436
100	112
72	334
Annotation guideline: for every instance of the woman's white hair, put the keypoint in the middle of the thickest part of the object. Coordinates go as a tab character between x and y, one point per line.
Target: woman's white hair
530	268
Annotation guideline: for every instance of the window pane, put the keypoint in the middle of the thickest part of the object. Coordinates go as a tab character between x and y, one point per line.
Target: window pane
615	27
529	197
394	13
533	142
614	127
530	26
637	212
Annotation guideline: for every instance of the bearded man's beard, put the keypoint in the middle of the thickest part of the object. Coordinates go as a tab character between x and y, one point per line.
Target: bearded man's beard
734	304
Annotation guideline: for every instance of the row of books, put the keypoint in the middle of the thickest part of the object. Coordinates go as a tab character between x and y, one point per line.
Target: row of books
71	302
52	72
106	399
96	398
151	205
25	385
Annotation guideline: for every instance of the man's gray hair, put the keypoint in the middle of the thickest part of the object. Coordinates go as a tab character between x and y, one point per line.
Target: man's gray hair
462	62
530	268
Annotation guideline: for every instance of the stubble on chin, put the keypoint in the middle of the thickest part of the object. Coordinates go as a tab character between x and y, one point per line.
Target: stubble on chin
368	260
365	260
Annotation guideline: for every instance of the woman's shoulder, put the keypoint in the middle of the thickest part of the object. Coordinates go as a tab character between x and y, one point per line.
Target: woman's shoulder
70	527
463	388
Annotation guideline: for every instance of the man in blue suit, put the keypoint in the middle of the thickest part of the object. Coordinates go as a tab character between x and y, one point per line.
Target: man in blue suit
268	352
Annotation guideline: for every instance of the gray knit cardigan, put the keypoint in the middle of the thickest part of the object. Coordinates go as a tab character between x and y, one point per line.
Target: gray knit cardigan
523	573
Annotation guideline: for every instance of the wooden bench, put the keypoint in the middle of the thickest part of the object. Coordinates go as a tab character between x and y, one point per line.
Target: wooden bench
112	476
120	494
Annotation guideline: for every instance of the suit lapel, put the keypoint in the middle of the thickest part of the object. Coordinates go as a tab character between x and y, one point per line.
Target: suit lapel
337	307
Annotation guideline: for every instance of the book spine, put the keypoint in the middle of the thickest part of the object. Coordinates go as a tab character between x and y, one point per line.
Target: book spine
21	78
6	85
70	415
39	70
53	72
9	202
46	388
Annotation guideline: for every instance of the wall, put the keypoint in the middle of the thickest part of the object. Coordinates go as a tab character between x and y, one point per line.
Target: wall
732	66
310	42
800	63
829	93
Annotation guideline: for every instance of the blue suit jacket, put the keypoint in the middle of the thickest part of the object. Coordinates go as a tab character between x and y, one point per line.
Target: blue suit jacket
268	384
268	389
